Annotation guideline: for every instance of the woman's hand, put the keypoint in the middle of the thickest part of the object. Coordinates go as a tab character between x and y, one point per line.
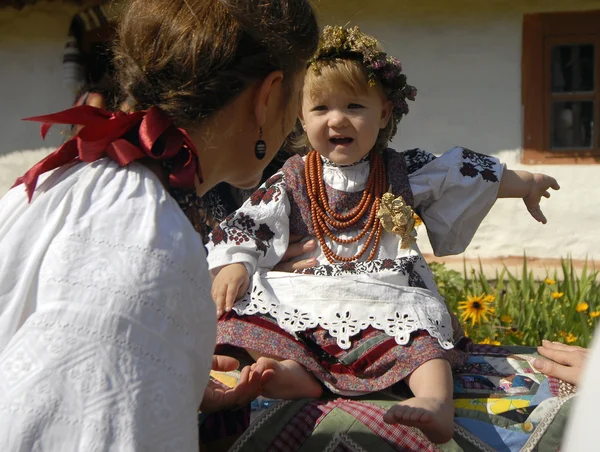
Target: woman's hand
564	362
219	397
296	249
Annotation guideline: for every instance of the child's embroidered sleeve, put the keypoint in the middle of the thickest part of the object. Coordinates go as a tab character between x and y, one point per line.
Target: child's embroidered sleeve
257	234
453	193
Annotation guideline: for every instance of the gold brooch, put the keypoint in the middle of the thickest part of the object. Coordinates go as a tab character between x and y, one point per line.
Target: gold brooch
398	217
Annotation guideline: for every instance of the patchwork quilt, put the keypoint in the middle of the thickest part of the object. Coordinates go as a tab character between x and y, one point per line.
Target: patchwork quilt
502	404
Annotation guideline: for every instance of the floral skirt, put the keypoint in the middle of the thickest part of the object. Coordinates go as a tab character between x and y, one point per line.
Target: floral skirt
374	361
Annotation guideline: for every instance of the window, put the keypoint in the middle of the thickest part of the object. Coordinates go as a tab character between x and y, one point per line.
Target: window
561	87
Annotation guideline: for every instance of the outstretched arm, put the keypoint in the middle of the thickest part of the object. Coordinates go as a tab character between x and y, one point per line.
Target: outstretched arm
529	186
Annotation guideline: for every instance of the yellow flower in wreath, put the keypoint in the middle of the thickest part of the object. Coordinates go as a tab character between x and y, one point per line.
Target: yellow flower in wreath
476	308
557	295
549	281
594	314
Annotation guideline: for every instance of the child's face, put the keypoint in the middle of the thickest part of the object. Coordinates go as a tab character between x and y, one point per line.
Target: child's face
343	126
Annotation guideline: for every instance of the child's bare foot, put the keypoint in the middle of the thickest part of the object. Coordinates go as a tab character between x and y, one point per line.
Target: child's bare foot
435	418
290	380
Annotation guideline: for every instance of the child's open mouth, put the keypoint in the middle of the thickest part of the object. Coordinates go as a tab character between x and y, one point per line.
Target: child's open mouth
342	141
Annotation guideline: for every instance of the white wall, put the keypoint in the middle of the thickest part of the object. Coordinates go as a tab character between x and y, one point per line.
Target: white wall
467	70
465	65
31	80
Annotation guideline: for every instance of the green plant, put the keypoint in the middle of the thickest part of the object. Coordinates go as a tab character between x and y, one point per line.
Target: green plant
564	306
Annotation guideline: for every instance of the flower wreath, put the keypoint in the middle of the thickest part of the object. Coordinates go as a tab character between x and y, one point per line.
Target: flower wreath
351	43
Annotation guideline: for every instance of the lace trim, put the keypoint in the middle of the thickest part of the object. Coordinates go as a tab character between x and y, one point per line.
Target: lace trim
398	320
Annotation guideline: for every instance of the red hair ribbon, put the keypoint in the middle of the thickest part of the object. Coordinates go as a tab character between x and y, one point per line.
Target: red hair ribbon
103	136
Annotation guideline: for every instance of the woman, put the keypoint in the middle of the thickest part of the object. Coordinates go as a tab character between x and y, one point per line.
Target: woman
106	325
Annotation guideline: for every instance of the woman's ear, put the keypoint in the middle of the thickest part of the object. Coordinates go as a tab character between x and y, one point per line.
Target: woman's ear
386	113
266	94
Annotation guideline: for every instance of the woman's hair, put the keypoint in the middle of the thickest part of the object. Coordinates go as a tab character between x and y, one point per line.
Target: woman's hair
192	57
350	76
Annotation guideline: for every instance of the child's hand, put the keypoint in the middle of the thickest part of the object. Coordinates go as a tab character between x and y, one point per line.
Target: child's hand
231	282
539	185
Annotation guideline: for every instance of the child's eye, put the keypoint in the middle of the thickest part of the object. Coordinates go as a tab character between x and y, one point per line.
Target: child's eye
319	108
355	106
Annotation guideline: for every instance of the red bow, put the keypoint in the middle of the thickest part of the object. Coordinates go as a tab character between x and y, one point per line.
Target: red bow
103	136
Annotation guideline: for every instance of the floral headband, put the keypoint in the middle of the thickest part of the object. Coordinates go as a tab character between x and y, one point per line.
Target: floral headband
352	44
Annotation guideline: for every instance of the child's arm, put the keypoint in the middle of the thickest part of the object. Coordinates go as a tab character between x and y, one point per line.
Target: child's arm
529	186
229	284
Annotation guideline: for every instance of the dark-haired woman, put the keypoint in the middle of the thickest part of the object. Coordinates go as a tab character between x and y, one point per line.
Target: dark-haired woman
106	325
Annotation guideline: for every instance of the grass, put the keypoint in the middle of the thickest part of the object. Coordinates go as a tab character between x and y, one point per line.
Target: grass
518	309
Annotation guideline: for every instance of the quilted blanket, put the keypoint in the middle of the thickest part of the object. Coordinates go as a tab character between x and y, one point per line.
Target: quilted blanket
502	404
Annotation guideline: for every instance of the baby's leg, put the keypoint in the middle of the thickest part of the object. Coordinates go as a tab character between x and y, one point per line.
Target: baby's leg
431	409
288	379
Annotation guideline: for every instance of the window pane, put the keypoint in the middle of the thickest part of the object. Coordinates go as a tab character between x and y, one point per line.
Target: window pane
573	68
572	124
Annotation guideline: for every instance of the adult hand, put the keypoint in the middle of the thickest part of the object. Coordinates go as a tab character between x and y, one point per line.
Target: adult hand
564	362
219	397
296	249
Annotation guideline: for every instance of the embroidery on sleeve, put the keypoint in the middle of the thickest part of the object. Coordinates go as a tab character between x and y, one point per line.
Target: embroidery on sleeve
416	159
241	228
270	191
475	164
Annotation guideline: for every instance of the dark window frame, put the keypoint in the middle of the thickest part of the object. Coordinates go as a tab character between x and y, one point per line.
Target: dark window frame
540	33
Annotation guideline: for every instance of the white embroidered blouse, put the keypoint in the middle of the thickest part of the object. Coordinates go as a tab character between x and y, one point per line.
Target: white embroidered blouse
106	323
394	292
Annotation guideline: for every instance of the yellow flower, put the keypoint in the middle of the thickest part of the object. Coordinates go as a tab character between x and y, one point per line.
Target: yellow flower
594	314
562	333
518	334
506	318
570	338
582	306
549	281
476	308
557	295
489	341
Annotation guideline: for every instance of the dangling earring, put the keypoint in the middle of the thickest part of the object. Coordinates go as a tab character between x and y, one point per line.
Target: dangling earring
260	148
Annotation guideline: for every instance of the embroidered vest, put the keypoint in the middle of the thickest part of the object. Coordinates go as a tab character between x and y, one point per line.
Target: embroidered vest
340	201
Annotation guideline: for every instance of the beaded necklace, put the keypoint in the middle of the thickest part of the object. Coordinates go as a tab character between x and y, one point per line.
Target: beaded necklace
324	218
